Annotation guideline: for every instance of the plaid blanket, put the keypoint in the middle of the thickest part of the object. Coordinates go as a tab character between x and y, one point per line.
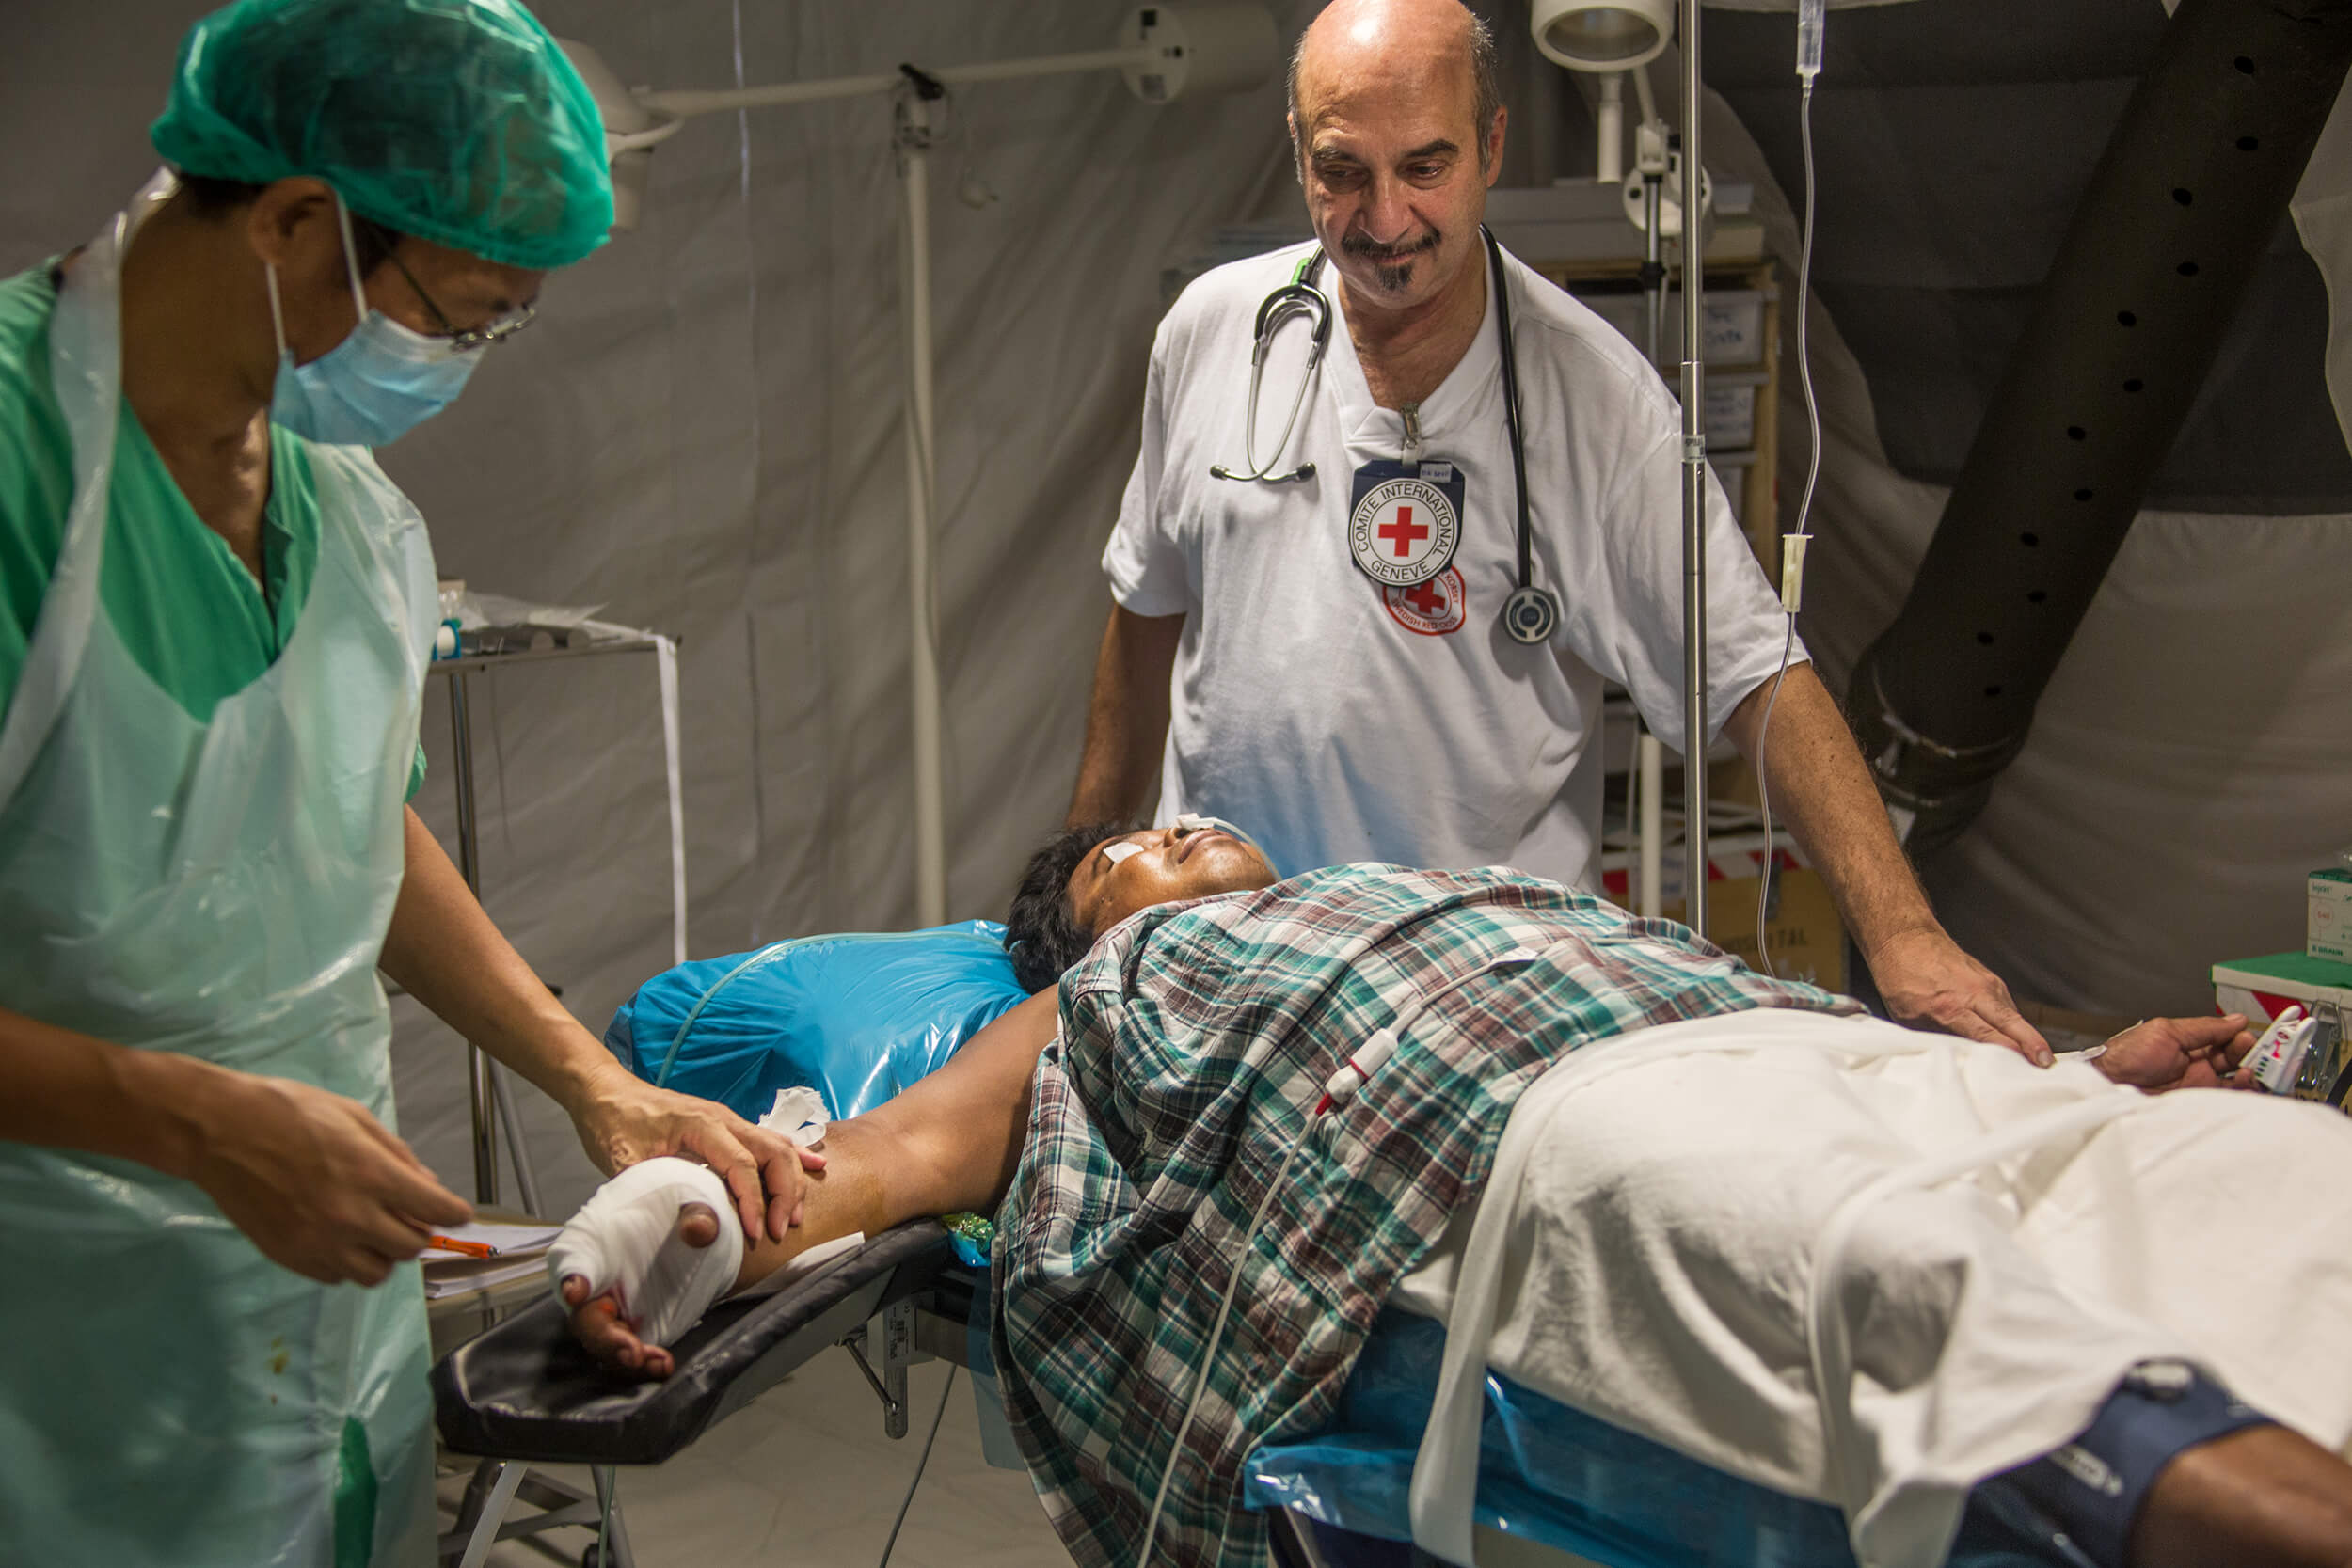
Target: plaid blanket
1195	1038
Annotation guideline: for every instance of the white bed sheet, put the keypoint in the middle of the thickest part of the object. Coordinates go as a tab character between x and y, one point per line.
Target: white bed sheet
1655	1258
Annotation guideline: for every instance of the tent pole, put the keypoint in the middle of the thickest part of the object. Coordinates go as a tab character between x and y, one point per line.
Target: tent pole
913	140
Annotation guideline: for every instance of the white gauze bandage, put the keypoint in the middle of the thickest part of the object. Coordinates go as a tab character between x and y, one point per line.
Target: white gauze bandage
625	1242
799	1114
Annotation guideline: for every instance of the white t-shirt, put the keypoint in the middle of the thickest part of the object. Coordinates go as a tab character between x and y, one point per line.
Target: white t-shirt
1338	721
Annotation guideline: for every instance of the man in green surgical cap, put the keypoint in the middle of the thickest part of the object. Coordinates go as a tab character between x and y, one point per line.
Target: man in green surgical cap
215	617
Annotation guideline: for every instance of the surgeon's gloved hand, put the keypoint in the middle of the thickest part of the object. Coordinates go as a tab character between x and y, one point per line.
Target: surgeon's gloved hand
311	1178
644	1260
622	1120
1927	981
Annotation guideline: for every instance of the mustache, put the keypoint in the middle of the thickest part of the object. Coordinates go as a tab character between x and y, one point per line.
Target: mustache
1373	250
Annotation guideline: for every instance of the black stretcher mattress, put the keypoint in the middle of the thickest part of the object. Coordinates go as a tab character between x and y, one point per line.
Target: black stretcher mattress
526	1390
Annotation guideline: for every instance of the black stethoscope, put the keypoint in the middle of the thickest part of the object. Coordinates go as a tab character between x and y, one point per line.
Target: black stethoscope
1530	613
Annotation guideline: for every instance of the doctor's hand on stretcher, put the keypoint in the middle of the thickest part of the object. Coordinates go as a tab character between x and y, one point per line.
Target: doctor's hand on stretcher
444	950
623	1120
631	1264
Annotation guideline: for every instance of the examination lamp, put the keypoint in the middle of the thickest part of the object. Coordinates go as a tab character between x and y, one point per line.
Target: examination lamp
1164	52
1602	35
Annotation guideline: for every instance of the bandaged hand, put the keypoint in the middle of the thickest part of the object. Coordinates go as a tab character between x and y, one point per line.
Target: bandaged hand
645	1259
2181	1053
624	1121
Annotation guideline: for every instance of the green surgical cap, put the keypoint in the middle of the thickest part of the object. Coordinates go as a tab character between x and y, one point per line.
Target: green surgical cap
460	121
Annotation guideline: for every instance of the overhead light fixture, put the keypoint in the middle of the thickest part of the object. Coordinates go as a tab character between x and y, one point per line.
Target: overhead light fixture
1602	35
1618	35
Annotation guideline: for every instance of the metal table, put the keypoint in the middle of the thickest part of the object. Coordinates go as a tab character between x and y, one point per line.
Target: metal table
492	1099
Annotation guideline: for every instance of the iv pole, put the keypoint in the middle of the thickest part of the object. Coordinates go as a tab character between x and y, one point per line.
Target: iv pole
1614	38
1694	725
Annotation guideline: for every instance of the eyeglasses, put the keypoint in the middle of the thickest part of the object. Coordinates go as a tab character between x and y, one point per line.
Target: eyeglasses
467	339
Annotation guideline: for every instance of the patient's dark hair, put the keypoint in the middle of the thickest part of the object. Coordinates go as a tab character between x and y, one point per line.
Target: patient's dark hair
1043	933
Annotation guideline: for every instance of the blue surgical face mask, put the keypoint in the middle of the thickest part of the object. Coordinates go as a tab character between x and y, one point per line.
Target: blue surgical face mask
375	386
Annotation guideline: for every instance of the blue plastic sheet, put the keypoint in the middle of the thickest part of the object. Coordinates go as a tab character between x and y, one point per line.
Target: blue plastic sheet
856	1016
1554	1474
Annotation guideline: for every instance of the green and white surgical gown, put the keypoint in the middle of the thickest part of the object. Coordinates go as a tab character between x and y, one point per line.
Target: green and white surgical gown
213	878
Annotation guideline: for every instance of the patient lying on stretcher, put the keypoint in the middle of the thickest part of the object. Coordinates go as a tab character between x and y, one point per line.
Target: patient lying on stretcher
2247	1494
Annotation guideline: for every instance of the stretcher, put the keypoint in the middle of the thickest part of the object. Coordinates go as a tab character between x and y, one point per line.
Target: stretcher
524	1393
1559	1481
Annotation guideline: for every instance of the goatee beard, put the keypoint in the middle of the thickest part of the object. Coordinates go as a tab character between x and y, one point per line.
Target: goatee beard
1391	265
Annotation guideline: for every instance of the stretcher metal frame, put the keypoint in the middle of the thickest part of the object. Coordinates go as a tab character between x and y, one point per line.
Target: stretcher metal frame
525	1393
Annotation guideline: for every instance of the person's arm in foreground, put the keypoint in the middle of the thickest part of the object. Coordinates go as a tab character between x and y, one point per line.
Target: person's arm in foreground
444	951
312	1179
948	1144
1822	789
1126	718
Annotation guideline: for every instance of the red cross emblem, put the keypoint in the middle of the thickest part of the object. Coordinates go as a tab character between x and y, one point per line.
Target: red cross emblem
1430	609
1404	533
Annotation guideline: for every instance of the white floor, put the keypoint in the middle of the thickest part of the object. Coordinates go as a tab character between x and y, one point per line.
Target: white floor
805	1478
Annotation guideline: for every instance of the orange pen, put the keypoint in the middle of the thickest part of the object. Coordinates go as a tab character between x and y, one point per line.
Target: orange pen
471	1250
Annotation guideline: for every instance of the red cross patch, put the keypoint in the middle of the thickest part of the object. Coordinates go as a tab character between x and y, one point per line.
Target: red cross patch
1430	609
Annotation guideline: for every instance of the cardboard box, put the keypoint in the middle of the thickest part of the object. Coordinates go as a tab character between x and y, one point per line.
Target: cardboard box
2262	987
2327	927
1731	322
1732	411
1805	938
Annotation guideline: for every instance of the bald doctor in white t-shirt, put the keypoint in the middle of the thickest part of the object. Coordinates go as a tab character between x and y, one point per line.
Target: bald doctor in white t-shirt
1265	677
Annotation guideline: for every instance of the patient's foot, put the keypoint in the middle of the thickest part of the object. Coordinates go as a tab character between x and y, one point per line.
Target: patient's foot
607	1332
2261	1498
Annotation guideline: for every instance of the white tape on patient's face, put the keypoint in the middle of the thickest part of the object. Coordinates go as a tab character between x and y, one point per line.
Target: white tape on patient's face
1121	850
625	1242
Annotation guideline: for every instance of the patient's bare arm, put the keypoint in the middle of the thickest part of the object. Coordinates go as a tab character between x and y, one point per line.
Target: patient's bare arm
949	1143
2161	1053
2263	1497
